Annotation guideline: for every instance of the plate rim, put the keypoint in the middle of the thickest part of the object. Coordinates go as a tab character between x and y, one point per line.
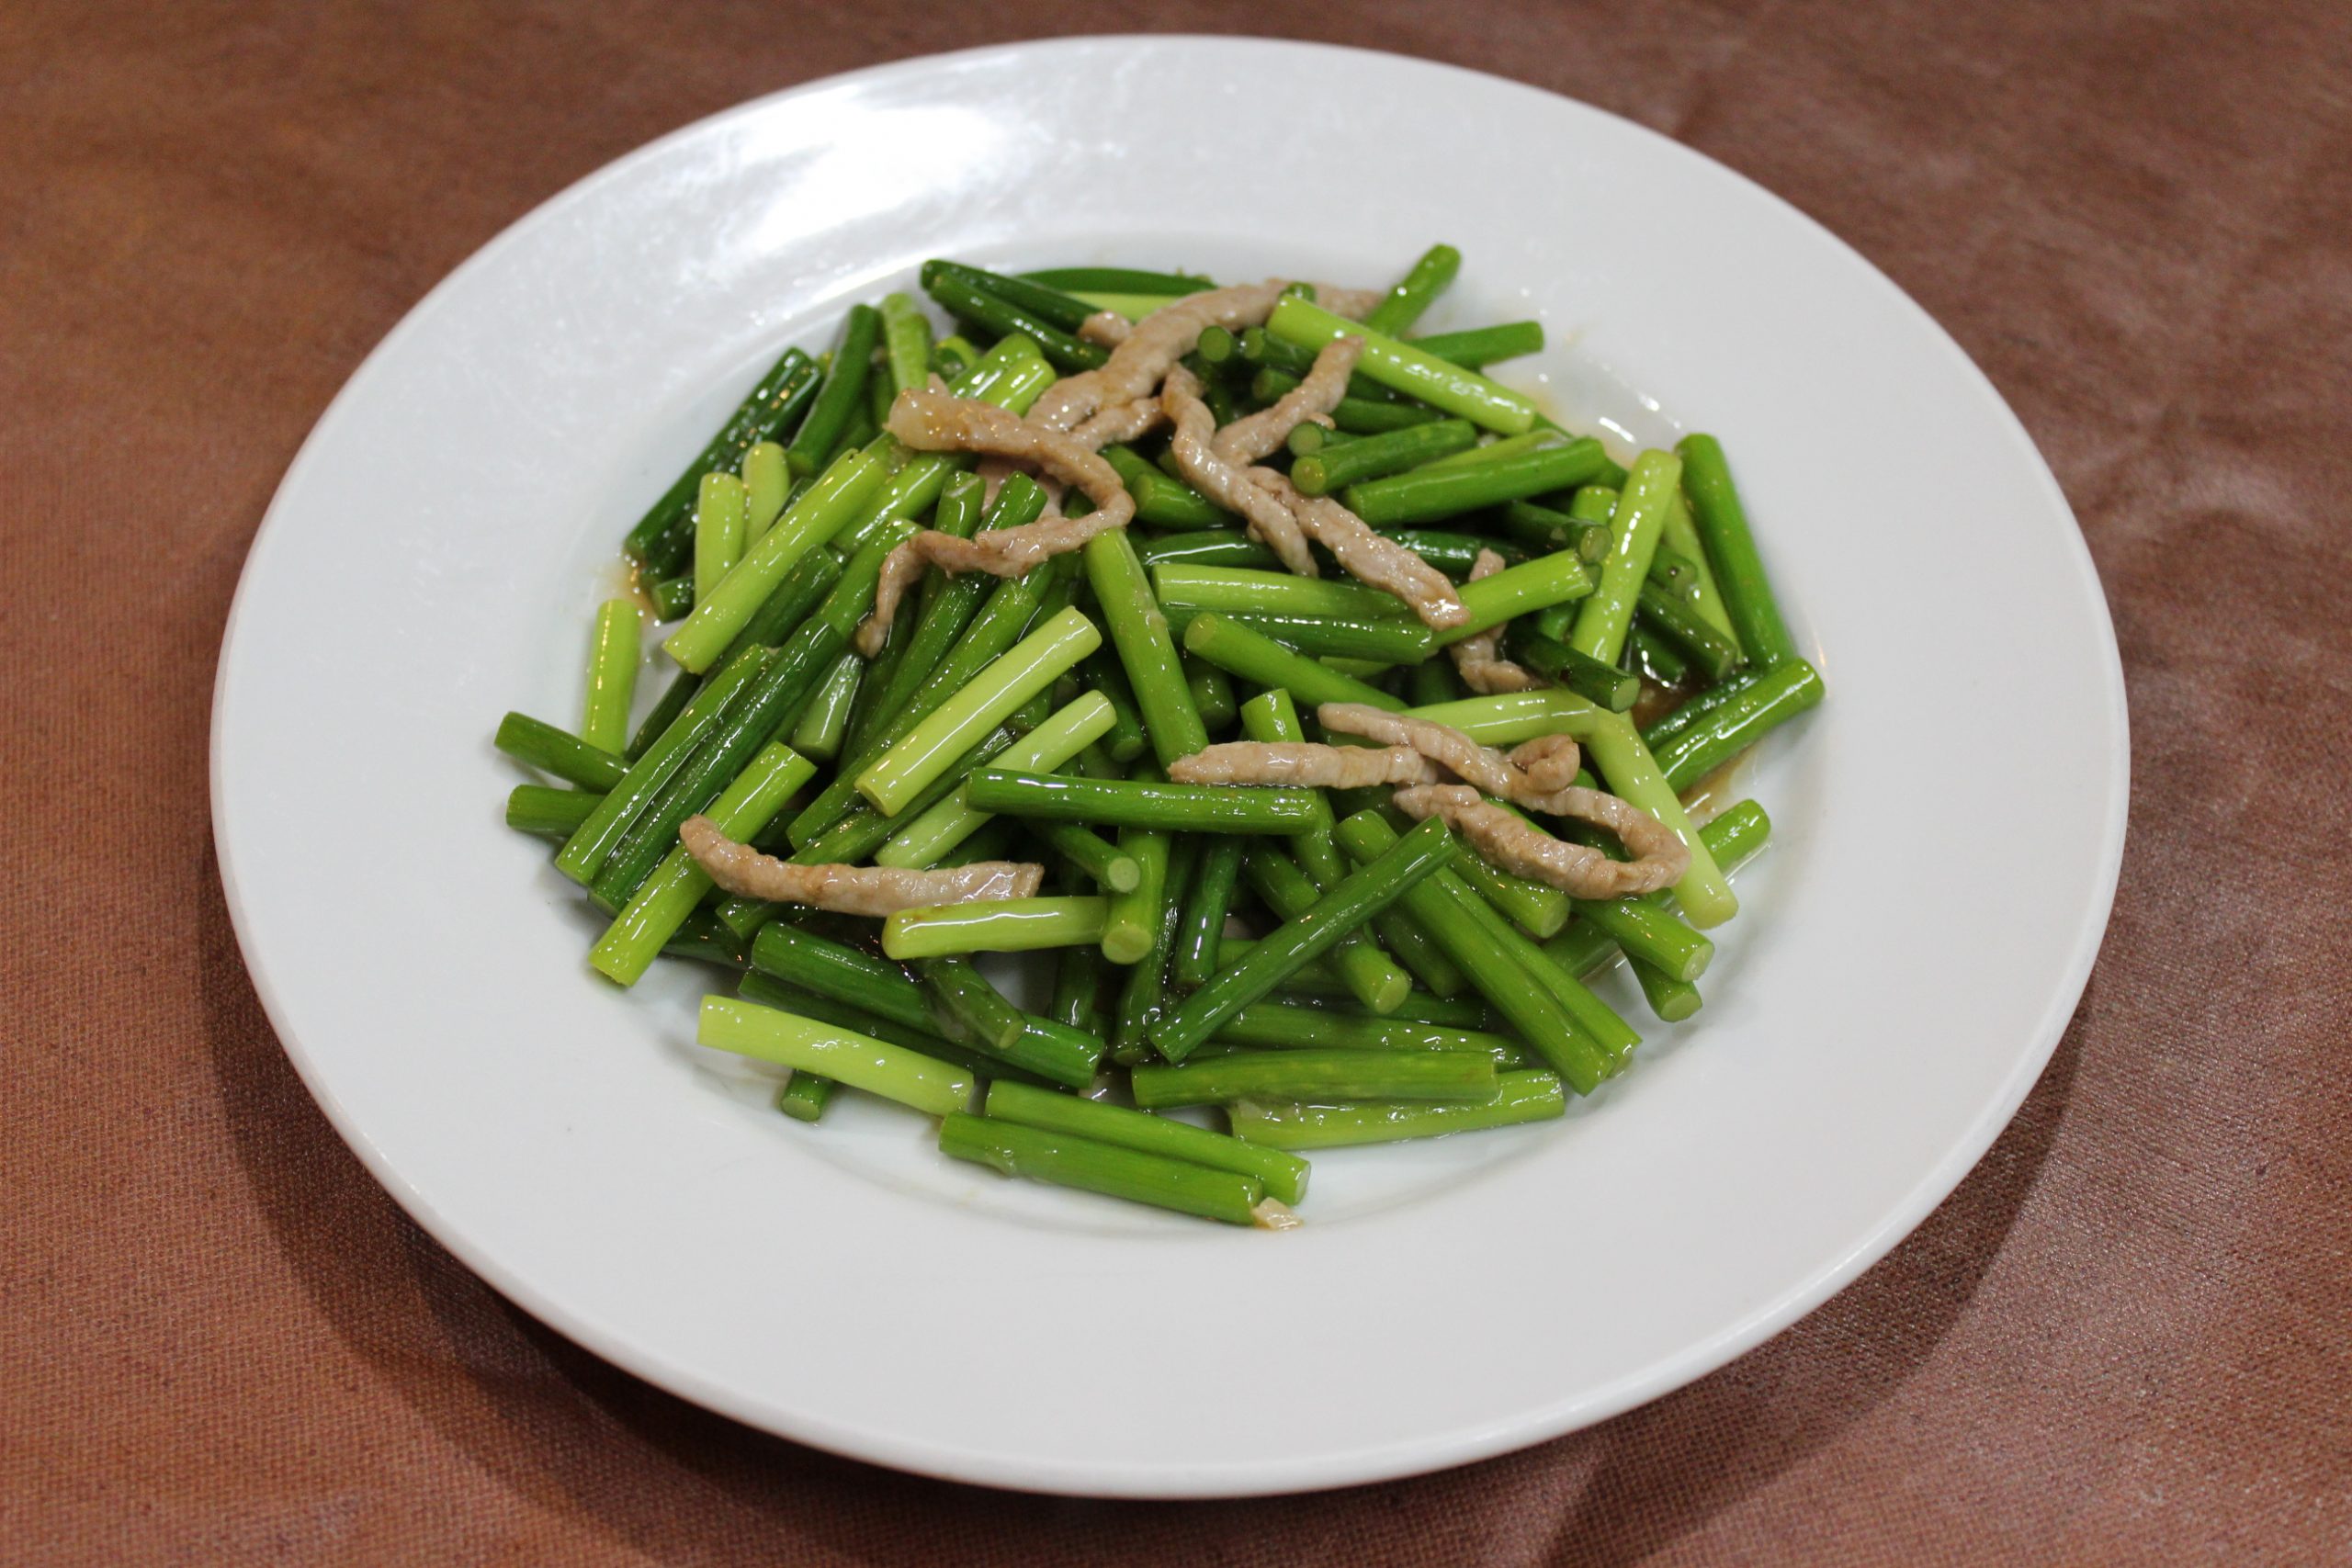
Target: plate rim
1328	1468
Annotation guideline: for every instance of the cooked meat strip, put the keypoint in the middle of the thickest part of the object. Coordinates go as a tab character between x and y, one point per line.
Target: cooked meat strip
1479	658
1229	486
1169	334
1254	437
934	422
1157	341
1549	763
1440	743
1303	765
1002	552
850	890
1517	846
1126	423
1370	558
1106	327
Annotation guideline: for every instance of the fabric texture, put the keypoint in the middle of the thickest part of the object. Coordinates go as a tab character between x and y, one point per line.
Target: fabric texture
2123	1339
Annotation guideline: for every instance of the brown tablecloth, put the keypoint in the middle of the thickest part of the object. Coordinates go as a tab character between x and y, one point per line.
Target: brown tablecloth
2123	1339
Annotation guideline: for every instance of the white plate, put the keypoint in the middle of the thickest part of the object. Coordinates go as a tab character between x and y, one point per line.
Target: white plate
1907	958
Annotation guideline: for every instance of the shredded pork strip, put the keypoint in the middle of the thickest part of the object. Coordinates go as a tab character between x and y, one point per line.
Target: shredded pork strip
1126	423
1366	555
1233	488
1253	438
1157	341
851	889
1160	339
1517	845
1549	762
1440	743
934	421
1479	658
1106	327
1303	765
1370	558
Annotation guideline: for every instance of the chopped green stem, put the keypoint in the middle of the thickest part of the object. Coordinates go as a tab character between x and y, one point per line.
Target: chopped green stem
1596	678
810	521
1518	589
767	485
1544	530
1275	1027
1251	655
1681	536
1131	803
612	676
1757	708
1383	640
804	588
1283	1177
1056	307
549	813
1371	977
1138	631
1212	694
1207	903
1502	447
1143	990
1001	1030
1078	990
1453	553
1603	619
585	852
1730	549
1618	754
1206	547
664	536
719	510
1376	456
1480	346
1520	1097
1003	616
558	752
1270	717
1117	280
995	925
805	1096
843	393
1408	369
1131	925
676	886
1066	1159
906	342
1318	1075
1658	661
1714	652
890	1071
1451	909
925	1041
974	1008
1430	494
925	752
1104	862
1416	291
1297	942
801	958
928	837
1243	591
819	734
991	313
